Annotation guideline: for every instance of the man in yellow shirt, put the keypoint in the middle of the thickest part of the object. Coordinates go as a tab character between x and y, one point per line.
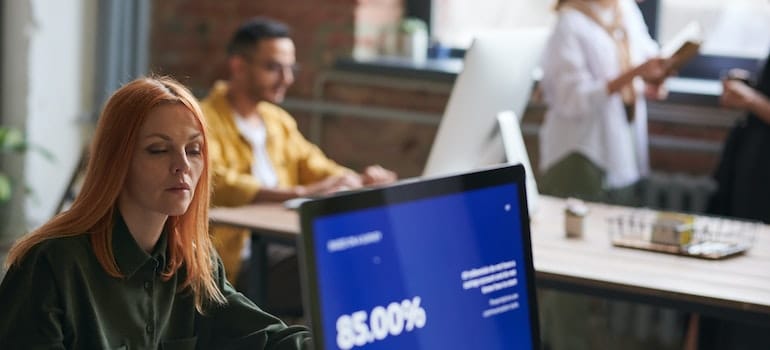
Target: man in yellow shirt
257	152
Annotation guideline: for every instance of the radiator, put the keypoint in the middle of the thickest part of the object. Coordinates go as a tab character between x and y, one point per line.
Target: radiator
662	191
677	192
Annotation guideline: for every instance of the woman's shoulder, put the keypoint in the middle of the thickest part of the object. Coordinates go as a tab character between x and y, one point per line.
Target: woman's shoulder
571	26
60	251
571	22
628	6
571	16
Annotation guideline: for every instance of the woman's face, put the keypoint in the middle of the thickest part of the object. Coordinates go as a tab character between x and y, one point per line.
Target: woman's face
166	164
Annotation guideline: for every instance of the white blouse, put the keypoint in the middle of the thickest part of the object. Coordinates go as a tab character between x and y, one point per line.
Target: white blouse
579	60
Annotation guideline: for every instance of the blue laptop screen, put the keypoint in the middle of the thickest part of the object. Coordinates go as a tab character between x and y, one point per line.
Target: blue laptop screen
443	272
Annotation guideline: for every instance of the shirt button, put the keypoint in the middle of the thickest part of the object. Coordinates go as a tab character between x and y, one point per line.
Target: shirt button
149	328
148	286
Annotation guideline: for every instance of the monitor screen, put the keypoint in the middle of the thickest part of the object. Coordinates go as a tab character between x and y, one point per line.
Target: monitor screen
434	264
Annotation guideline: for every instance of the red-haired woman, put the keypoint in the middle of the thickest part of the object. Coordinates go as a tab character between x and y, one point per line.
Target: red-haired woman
130	265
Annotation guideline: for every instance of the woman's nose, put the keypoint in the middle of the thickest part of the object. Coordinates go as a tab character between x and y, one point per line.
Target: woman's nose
180	165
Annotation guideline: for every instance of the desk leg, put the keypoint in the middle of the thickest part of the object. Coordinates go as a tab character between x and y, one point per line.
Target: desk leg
258	271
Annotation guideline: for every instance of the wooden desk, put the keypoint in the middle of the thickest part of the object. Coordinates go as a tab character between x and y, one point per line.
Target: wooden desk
736	288
268	223
268	220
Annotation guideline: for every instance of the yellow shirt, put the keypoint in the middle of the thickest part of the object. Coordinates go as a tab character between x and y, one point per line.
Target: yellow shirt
296	161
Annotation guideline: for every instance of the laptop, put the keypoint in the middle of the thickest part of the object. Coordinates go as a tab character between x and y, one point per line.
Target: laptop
439	263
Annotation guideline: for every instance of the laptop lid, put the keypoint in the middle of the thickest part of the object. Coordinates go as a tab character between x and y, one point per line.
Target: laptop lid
442	263
498	75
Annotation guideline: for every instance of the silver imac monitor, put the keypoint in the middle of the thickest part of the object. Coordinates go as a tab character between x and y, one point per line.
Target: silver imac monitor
498	75
516	153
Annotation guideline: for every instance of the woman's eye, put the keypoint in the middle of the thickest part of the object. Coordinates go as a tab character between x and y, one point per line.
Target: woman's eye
156	150
194	151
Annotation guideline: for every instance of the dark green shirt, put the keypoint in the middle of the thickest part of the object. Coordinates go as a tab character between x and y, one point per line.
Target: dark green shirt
60	297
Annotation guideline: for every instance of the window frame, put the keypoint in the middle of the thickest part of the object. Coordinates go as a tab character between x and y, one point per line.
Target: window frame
423	9
2	64
708	67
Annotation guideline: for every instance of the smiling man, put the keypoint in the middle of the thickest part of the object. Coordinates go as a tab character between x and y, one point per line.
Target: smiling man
257	152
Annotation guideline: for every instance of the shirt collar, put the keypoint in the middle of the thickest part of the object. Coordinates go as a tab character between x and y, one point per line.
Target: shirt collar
128	255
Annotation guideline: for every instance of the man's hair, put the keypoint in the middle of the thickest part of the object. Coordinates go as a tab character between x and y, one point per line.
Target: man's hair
250	33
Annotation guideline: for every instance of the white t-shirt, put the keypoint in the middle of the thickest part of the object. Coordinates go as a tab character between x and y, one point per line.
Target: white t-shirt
582	117
261	166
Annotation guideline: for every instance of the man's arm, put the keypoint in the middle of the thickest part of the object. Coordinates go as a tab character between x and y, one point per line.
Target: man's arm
345	181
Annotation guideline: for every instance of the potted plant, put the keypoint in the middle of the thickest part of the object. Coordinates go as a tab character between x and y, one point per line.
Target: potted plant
413	33
11	141
12	145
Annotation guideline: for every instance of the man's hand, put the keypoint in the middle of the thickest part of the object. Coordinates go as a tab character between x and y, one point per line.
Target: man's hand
377	175
372	175
331	184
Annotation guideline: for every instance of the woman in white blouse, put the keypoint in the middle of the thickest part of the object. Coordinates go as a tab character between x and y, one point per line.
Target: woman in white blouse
599	65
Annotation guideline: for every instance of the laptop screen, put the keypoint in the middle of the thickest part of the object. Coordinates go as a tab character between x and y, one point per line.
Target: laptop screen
441	263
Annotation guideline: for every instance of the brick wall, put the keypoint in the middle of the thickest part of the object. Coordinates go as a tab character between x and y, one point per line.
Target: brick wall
405	146
189	38
398	145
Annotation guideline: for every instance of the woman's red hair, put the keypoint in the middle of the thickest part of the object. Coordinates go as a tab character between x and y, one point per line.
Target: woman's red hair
111	152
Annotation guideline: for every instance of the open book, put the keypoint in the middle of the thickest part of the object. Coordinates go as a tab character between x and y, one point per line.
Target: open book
683	46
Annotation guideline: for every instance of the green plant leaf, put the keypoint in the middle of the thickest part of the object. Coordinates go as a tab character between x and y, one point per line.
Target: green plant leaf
5	188
412	25
45	153
12	140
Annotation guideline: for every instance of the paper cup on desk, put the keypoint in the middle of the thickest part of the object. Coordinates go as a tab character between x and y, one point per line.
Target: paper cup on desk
574	218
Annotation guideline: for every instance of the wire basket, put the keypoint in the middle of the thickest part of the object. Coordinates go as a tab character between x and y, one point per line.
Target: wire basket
698	236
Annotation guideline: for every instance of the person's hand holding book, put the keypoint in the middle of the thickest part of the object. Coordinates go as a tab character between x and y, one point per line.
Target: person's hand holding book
654	71
682	47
